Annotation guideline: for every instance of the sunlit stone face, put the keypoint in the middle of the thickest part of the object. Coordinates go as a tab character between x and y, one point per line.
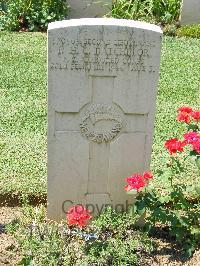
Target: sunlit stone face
102	84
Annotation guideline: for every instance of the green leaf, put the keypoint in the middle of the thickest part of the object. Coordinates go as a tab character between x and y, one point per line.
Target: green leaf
166	176
141	207
193	153
26	261
193	127
195	230
197	189
198	162
165	199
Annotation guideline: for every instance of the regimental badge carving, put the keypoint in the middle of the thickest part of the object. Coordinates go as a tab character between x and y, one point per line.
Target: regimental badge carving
101	122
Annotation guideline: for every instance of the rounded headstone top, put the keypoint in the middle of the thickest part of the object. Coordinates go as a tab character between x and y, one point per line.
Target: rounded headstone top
104	22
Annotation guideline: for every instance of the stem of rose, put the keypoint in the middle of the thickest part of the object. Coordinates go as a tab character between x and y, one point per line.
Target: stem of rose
171	176
198	162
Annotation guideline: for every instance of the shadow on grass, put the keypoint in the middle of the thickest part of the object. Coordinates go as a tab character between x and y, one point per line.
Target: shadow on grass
10	200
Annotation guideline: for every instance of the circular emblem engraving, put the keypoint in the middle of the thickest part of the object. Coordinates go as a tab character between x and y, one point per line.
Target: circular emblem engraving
101	122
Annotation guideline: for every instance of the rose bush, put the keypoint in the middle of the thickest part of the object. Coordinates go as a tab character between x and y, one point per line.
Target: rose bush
172	207
137	182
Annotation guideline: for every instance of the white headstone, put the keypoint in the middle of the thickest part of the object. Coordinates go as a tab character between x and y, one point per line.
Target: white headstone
190	12
102	85
89	8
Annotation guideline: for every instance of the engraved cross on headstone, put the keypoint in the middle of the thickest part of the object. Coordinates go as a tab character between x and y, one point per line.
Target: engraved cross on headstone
101	117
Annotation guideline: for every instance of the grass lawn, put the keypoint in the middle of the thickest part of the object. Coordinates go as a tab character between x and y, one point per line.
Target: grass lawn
23	113
23	104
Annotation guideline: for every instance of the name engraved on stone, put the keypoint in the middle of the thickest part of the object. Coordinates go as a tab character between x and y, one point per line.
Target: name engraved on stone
99	55
101	122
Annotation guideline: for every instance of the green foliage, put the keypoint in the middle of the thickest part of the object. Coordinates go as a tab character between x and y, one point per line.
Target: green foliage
198	162
175	211
31	15
158	11
173	206
13	226
23	113
110	240
166	11
132	9
189	31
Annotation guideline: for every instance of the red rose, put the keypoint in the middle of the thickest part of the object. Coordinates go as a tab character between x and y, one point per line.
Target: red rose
183	117
174	145
185	109
78	215
196	115
147	175
196	146
184	114
191	137
135	181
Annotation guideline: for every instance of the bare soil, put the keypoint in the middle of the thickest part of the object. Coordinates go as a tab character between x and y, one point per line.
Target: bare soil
8	246
168	254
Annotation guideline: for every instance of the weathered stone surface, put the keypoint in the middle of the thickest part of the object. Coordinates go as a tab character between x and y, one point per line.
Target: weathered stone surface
190	12
102	85
88	8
